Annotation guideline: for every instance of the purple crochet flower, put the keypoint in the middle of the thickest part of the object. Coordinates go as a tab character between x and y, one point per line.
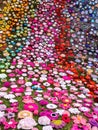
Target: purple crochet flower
43	102
50	114
93	122
95	109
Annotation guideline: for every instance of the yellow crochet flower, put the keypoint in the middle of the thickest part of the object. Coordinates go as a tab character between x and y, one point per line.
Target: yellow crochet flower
57	122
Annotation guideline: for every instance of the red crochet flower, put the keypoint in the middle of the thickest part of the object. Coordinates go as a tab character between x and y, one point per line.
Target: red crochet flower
65	118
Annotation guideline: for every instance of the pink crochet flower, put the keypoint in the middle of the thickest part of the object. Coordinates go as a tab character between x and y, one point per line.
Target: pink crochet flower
66	78
27	97
12	109
54	100
10	125
56	94
31	107
79	120
81	127
11	75
27	101
17	90
64	105
6	84
46	95
15	104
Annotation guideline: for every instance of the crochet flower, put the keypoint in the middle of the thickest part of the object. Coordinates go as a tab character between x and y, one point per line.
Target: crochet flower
27	97
10	115
13	100
50	114
58	124
17	90
74	110
93	122
56	94
2	119
31	107
25	113
43	102
66	100
3	75
2	114
96	109
3	89
64	105
27	101
84	109
51	106
9	96
12	109
7	84
81	127
2	94
65	118
54	100
2	107
26	123
10	125
54	116
79	120
49	127
43	120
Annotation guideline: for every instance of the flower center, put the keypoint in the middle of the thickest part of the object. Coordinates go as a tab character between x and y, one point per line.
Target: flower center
30	106
10	123
53	114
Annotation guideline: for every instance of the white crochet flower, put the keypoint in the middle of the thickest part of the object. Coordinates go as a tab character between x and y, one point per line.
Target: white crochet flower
13	100
2	94
84	109
26	123
38	98
43	78
12	79
81	96
9	96
46	84
60	111
49	127
28	84
74	110
51	106
43	120
3	75
2	114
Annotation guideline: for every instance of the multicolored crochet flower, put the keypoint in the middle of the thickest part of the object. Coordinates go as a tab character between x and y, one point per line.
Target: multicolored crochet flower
58	124
24	114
